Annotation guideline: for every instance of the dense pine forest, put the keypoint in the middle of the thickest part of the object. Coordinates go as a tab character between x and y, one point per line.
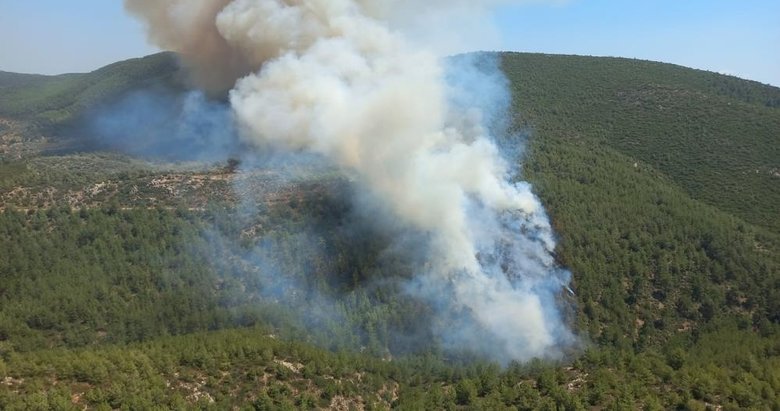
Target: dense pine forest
137	283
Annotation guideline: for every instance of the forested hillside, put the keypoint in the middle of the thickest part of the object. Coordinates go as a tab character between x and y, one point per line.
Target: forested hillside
55	100
129	283
714	136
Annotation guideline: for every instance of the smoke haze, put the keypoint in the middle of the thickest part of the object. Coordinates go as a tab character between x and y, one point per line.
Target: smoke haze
362	84
168	126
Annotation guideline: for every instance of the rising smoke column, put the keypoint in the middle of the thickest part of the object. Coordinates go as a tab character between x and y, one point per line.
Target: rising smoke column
341	79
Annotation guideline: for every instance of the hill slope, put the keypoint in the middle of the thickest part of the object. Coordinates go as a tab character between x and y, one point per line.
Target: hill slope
716	136
648	171
54	100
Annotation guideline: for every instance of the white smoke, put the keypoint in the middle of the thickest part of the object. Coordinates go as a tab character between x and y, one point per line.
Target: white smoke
360	83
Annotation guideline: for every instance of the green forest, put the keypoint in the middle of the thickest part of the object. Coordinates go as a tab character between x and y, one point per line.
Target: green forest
134	284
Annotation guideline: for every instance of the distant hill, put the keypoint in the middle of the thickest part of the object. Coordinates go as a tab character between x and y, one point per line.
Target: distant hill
54	100
15	80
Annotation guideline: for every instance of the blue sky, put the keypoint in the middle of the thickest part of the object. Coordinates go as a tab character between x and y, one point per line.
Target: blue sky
739	37
59	36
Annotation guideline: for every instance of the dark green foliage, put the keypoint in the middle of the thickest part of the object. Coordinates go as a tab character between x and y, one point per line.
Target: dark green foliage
248	367
76	278
648	172
648	259
713	135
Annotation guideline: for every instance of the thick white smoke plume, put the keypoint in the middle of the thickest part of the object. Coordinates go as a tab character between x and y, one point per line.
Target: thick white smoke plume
360	83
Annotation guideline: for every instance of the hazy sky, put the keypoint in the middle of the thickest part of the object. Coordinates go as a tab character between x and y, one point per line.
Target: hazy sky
739	37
